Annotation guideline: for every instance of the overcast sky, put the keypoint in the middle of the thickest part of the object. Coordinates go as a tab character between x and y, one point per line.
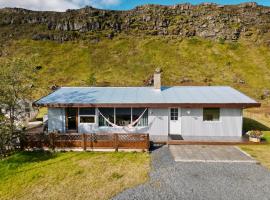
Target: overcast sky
62	5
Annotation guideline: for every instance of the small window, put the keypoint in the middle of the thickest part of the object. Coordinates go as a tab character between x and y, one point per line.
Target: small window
211	114
174	113
87	119
87	111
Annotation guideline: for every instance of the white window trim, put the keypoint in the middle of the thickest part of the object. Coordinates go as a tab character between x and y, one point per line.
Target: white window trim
171	114
214	121
114	118
87	116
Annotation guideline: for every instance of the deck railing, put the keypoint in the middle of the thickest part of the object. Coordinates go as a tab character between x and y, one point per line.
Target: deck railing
93	141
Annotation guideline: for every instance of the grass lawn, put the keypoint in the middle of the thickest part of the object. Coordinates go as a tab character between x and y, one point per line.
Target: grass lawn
260	152
71	175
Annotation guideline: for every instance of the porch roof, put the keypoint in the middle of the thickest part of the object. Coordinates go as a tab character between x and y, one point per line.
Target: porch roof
193	96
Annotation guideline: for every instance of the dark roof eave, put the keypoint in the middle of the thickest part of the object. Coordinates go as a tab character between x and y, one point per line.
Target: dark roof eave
150	105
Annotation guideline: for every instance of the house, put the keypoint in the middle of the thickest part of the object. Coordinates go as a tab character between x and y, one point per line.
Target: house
200	111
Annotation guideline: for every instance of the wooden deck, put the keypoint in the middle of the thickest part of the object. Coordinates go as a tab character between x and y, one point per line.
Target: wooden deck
99	141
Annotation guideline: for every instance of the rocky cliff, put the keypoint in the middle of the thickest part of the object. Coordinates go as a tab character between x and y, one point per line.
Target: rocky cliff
185	20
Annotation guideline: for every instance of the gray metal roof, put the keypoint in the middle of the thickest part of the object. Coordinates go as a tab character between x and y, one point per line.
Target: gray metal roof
144	95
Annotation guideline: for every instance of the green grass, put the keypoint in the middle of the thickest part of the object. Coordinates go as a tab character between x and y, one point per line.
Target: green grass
266	136
258	122
72	175
127	61
259	152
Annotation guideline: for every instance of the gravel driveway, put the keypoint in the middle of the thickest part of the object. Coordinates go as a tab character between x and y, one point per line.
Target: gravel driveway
180	180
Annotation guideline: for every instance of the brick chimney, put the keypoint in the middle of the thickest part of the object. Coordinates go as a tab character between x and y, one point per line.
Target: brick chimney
157	79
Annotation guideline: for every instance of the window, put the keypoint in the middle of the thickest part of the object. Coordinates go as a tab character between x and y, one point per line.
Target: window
87	115
87	111
87	119
174	113
211	114
123	116
136	113
108	113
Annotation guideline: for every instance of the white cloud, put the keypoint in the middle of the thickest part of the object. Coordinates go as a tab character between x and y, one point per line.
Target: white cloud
57	5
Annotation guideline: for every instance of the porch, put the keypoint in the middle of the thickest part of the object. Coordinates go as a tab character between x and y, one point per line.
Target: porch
87	142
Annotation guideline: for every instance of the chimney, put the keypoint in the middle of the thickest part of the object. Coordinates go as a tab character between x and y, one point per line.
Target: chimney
157	79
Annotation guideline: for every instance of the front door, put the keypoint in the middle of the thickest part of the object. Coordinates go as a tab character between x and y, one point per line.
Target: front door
175	121
71	119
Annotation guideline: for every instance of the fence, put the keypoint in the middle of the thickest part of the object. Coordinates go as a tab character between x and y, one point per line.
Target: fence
114	141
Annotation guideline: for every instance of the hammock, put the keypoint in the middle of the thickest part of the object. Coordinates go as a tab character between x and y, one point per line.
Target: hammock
129	126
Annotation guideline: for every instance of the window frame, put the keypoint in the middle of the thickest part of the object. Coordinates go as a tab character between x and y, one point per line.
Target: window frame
98	116
146	113
87	115
211	121
131	117
88	122
174	117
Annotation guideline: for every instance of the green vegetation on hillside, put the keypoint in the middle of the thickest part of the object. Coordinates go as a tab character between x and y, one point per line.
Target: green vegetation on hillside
127	61
72	175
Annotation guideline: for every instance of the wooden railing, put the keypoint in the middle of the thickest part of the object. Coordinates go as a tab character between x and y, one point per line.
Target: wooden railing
88	141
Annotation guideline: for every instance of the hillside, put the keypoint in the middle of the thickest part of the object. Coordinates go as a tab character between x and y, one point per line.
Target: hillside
194	45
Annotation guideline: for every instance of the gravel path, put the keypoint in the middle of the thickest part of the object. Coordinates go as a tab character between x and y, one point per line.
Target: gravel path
178	180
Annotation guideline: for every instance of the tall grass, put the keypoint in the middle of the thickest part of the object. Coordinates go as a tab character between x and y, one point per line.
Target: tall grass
127	61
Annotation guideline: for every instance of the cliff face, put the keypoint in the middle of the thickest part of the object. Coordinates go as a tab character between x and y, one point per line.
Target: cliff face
184	20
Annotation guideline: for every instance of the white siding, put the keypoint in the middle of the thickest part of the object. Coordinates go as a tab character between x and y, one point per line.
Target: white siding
192	123
56	119
230	123
87	128
158	122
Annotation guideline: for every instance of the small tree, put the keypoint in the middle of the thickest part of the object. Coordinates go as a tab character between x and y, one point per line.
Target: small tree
5	137
16	77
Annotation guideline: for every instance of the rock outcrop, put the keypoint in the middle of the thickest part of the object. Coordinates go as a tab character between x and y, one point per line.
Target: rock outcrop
206	20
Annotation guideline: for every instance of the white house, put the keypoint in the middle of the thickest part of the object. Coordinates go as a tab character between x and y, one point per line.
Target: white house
199	111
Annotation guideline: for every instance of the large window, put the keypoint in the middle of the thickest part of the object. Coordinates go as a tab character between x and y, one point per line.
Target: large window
136	113
123	116
108	113
87	115
211	114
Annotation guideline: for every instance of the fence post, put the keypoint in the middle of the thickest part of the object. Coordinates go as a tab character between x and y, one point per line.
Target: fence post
116	141
148	141
92	142
84	141
22	139
52	140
